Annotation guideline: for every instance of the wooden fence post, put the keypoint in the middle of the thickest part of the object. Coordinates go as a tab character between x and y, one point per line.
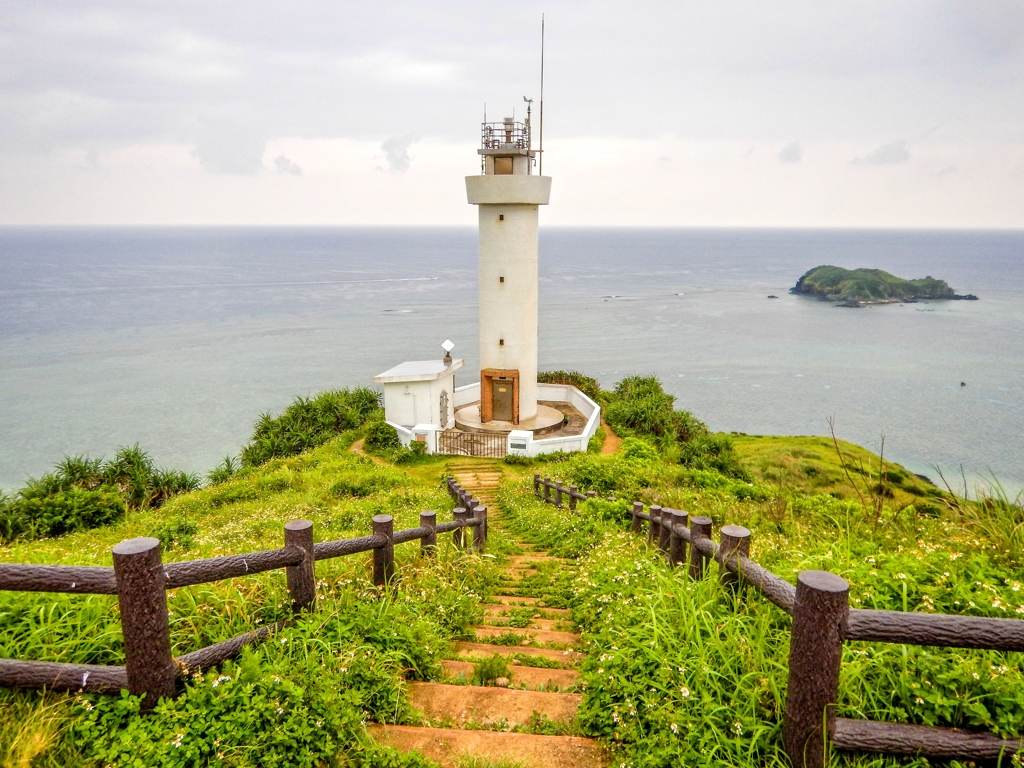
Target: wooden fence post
428	544
820	616
480	531
573	490
700	526
654	529
384	557
591	494
734	543
301	577
637	525
142	599
677	544
459	513
665	529
536	484
547	489
558	494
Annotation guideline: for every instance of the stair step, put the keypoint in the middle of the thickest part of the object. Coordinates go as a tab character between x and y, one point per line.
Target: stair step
462	704
497	609
534	635
548	625
447	746
522	677
466	650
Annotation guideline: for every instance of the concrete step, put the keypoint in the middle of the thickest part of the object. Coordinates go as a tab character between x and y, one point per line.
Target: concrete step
529	636
496	609
532	678
487	706
564	659
447	746
548	625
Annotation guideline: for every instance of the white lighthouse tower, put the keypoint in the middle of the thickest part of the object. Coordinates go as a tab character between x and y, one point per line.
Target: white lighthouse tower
508	195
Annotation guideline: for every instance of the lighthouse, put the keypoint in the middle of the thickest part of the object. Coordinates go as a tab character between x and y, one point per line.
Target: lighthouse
508	195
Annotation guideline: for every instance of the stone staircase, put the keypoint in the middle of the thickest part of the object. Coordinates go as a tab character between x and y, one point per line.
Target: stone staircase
538	646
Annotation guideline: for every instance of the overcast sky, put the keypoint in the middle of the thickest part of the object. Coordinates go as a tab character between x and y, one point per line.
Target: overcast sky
811	113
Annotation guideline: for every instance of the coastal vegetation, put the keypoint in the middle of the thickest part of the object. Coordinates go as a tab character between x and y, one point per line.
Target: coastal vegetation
82	493
870	286
674	671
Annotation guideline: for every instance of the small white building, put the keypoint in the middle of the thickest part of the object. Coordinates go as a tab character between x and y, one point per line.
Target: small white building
419	398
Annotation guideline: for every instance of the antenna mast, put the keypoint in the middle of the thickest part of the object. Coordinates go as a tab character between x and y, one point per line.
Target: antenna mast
541	170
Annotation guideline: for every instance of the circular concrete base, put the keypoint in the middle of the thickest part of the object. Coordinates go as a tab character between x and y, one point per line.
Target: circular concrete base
548	419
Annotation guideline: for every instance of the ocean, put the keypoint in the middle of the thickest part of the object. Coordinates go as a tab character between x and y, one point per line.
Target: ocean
178	338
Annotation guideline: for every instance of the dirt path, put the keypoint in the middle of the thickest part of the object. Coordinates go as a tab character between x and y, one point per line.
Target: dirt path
463	720
611	440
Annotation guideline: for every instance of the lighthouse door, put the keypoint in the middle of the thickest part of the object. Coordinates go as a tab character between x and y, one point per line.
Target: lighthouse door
501	399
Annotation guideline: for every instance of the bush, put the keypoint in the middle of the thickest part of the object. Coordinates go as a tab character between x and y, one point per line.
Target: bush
309	422
585	384
635	449
381	437
64	511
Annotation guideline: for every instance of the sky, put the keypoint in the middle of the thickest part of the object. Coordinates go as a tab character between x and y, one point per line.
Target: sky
795	113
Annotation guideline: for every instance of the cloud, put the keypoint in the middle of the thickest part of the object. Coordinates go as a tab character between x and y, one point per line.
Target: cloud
396	152
231	152
895	153
791	153
284	165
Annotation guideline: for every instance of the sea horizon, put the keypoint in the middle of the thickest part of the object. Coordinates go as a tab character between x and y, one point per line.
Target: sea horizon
96	352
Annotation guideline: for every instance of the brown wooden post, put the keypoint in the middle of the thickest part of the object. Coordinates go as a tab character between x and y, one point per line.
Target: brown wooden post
384	557
654	529
428	544
700	526
665	529
573	490
820	615
734	543
301	577
558	494
637	524
458	537
138	569
677	544
547	489
536	484
480	532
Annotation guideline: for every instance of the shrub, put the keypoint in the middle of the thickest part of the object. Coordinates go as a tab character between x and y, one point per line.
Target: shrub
64	511
309	422
177	533
635	449
381	437
585	384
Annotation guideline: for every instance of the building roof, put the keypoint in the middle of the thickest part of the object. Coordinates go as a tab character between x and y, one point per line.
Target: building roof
417	370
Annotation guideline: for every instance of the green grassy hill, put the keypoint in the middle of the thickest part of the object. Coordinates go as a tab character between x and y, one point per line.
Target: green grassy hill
869	286
676	671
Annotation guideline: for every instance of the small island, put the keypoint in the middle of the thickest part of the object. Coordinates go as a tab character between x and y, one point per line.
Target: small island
859	287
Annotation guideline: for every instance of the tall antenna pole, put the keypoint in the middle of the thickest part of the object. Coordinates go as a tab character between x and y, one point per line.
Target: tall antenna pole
541	171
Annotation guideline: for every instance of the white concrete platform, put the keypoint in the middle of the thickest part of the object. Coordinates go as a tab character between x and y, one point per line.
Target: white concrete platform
548	419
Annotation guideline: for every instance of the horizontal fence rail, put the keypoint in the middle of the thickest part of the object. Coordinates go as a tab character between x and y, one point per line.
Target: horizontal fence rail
140	580
822	622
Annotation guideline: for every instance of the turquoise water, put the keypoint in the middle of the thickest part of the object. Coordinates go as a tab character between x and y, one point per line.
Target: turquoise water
178	338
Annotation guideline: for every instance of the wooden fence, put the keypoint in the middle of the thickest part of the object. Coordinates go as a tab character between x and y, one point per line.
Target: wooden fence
822	622
140	579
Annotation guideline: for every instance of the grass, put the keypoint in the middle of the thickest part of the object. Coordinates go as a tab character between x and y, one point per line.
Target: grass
675	671
681	672
339	666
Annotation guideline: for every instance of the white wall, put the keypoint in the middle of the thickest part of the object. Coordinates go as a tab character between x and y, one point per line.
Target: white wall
419	402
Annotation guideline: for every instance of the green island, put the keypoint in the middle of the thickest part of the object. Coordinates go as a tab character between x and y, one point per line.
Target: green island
858	287
667	670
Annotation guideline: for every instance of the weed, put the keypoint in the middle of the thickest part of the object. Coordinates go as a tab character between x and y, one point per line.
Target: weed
486	671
